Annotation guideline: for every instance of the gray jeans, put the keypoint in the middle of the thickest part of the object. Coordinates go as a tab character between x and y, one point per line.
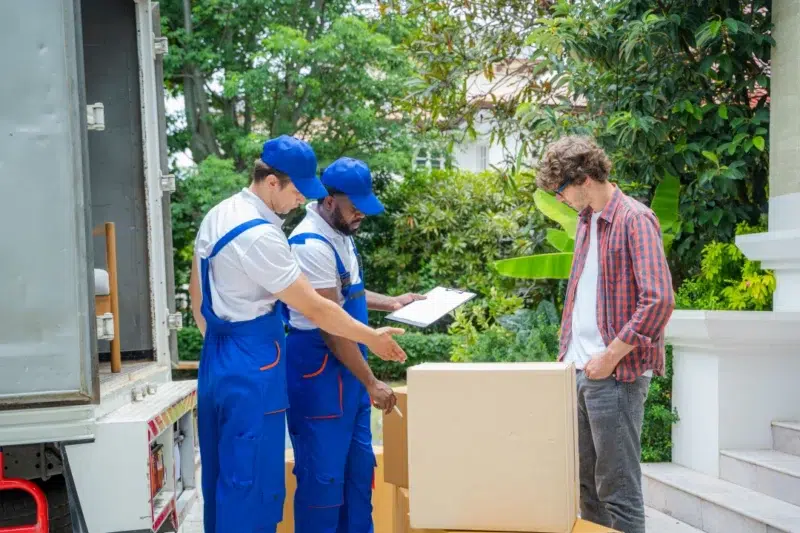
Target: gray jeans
610	415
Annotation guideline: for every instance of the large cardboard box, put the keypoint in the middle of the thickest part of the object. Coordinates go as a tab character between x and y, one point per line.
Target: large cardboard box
493	447
395	441
402	525
382	497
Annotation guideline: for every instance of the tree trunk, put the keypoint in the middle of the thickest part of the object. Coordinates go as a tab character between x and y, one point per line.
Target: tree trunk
202	142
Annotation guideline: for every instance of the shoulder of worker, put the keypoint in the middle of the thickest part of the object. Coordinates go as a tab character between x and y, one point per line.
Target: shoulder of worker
242	207
311	224
312	251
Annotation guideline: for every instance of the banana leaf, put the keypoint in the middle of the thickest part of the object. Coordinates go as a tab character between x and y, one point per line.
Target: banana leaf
541	266
564	215
560	240
665	202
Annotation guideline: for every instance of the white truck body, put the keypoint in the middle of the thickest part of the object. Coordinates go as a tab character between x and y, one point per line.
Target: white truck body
83	143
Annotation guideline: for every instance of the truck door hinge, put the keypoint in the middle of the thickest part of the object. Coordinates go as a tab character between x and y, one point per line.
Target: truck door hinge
96	117
160	46
105	327
175	321
168	183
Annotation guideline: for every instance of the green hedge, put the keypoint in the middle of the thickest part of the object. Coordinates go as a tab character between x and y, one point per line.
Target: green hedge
190	343
420	348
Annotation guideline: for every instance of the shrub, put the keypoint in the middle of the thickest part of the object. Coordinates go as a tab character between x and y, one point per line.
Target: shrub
190	343
445	228
420	348
728	280
659	417
525	335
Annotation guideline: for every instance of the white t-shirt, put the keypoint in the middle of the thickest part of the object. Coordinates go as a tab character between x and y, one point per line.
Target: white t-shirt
249	270
586	339
318	262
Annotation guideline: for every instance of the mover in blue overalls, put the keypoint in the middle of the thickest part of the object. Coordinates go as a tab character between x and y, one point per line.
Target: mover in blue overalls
246	273
331	387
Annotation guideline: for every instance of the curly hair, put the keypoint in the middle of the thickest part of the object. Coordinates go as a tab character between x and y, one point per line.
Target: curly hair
572	158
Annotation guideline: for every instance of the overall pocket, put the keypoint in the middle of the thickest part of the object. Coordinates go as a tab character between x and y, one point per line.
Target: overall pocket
317	392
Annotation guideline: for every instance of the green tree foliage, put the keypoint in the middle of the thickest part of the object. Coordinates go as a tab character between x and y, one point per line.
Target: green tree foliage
668	88
252	69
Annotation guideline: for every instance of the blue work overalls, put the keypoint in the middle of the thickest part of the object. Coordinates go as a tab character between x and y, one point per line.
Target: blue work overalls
242	400
329	424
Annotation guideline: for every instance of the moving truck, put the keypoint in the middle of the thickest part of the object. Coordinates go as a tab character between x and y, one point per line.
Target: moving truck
93	430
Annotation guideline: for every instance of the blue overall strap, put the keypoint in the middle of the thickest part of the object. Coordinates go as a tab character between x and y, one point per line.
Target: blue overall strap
227	238
344	275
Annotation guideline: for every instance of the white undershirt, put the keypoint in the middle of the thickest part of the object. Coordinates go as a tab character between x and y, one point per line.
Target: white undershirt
318	262
249	270
586	339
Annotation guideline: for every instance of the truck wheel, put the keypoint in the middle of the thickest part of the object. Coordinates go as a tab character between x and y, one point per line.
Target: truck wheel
18	509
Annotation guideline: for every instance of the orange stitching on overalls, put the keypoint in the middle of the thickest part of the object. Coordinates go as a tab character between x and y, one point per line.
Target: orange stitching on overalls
277	359
318	372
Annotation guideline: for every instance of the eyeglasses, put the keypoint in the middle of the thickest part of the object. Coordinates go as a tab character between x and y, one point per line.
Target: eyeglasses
564	185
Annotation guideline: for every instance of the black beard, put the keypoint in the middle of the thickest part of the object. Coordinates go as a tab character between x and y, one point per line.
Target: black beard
338	223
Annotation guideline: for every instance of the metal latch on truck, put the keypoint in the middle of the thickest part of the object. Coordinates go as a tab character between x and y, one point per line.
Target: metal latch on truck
96	117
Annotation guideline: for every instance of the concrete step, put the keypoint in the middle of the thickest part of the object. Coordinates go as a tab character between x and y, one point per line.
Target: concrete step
658	522
775	474
786	437
715	505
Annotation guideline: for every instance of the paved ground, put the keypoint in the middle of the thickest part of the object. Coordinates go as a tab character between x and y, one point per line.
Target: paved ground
194	522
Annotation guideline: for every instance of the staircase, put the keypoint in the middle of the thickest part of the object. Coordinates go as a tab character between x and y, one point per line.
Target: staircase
757	490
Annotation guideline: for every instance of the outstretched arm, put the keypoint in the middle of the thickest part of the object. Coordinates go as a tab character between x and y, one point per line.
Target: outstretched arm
335	320
381	302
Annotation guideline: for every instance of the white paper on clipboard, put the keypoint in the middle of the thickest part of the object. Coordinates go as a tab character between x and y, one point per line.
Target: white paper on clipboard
439	302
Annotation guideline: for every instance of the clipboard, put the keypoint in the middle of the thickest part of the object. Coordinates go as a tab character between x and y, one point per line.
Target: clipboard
440	302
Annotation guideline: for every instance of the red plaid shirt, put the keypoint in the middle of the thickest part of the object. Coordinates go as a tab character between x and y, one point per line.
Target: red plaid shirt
635	297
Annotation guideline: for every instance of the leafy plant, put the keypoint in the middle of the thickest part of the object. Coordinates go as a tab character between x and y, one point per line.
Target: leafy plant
558	265
440	229
728	280
659	416
190	343
420	348
525	335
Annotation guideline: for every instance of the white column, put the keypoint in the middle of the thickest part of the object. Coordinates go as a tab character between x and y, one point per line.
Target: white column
779	248
734	373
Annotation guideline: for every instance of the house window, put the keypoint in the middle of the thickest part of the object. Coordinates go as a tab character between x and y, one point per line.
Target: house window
483	157
431	159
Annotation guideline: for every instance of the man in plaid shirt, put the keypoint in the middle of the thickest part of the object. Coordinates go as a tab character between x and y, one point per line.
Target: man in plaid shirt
619	299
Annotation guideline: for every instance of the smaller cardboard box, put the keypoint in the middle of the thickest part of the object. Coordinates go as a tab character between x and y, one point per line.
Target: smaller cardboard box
395	442
402	519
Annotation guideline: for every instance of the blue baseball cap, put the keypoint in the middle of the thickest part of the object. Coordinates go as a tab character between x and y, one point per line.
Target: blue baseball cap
296	159
353	178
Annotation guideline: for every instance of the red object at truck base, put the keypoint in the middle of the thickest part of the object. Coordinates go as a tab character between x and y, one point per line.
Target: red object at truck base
42	523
